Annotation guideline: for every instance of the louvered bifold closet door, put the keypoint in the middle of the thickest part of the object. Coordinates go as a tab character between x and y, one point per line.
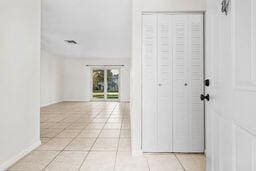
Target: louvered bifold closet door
188	114
149	83
196	86
172	81
164	68
157	84
180	78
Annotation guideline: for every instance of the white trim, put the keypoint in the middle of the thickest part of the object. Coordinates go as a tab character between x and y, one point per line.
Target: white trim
253	41
125	101
75	100
51	103
105	84
137	152
174	12
20	155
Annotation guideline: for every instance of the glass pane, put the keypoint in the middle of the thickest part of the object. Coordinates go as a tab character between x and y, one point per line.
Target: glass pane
98	84
113	84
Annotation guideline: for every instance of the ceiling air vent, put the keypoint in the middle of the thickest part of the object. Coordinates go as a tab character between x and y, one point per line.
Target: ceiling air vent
71	41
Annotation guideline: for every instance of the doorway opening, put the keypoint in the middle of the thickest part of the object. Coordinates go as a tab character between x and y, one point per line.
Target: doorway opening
105	84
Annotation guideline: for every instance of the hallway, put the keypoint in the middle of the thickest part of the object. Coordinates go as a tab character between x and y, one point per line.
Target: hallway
95	136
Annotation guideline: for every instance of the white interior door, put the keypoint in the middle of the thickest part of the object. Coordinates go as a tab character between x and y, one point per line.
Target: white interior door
157	77
180	83
149	84
164	89
231	68
188	73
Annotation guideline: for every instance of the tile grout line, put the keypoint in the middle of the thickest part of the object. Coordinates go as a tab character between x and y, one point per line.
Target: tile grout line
109	114
101	110
179	161
50	138
95	141
118	143
63	129
147	163
72	139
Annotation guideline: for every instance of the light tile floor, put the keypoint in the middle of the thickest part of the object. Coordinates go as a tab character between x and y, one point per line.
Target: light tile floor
95	136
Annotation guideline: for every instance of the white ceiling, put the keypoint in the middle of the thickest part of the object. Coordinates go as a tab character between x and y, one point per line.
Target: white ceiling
102	28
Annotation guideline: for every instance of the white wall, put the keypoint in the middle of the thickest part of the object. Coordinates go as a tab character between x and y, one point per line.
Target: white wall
19	79
51	78
69	79
77	78
140	6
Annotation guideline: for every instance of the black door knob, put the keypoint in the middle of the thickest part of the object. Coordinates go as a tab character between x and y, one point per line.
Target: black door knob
207	82
205	97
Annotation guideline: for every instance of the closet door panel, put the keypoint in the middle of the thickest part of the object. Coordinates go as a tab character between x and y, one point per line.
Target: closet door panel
164	116
149	83
196	75
180	84
188	109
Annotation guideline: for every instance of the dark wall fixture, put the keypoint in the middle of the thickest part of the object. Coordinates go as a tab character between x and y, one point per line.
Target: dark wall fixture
71	41
225	6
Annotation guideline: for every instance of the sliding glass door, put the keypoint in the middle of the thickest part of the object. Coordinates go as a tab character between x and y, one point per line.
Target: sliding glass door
105	84
98	85
112	84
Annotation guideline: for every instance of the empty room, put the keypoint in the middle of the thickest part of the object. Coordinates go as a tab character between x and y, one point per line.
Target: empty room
134	85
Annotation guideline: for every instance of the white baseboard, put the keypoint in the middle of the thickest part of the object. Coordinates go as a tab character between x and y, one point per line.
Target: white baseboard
23	153
51	103
76	100
137	152
72	100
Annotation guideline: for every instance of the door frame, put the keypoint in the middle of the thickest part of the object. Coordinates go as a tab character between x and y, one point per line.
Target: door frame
105	68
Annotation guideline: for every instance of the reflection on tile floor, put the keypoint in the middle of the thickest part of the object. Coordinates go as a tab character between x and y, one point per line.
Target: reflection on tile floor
95	136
